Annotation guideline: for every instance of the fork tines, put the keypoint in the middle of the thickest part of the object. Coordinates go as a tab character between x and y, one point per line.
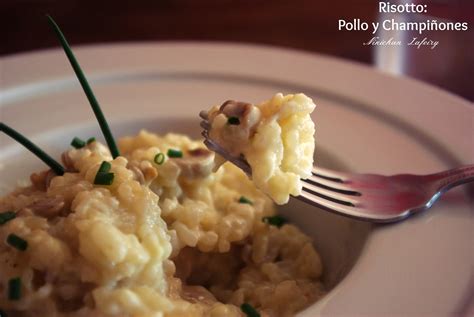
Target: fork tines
331	186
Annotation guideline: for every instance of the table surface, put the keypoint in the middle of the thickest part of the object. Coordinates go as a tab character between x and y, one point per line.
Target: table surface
308	25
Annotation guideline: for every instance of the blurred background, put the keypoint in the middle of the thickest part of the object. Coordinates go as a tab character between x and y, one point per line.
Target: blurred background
308	25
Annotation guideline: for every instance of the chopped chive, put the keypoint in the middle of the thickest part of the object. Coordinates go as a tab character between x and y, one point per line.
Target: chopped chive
249	310
175	153
78	143
104	167
17	242
159	158
87	89
275	220
233	121
90	140
6	217
245	200
104	179
14	288
48	160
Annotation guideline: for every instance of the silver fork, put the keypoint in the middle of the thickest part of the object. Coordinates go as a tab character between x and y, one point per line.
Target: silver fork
368	197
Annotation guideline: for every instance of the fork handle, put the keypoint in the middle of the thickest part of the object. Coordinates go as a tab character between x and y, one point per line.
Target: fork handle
453	177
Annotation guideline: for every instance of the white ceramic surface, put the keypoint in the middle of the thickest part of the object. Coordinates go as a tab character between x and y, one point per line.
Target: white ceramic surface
366	120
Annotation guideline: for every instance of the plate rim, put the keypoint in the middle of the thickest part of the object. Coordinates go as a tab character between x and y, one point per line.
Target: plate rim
426	89
9	58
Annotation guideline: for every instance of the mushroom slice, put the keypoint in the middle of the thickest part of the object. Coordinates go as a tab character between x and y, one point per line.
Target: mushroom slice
233	124
197	163
47	207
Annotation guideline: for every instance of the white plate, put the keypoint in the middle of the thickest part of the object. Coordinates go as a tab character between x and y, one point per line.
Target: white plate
366	120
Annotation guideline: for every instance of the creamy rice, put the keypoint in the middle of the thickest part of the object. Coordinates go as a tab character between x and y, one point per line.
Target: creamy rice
168	239
276	137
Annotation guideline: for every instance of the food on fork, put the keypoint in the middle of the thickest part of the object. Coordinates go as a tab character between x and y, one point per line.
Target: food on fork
275	137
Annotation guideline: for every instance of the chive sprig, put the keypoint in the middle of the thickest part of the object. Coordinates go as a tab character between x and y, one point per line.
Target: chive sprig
17	136
276	220
78	143
233	121
87	89
249	310
14	288
103	176
174	153
159	158
6	216
245	200
17	242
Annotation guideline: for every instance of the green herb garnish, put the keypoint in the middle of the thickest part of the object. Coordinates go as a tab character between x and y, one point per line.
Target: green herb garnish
104	167
159	158
14	288
78	143
48	160
275	220
17	242
6	217
90	140
233	120
249	310
245	200
103	177
175	153
87	89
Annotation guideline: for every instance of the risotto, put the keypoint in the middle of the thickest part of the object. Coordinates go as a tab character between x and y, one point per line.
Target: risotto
276	138
153	232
